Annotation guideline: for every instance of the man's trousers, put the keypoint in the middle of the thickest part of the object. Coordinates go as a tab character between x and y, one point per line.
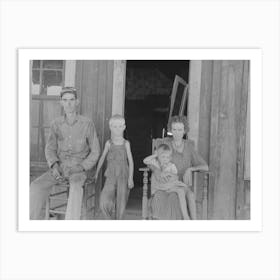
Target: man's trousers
41	187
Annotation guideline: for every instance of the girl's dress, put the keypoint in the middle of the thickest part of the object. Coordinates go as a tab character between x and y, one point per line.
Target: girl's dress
116	182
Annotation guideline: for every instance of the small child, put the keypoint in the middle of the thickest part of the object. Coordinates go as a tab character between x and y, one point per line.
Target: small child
119	171
162	160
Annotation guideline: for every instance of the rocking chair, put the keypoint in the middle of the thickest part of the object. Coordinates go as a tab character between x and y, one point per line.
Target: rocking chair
146	198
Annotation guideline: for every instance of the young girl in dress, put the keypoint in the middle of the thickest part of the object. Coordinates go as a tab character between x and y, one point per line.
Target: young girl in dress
162	160
119	171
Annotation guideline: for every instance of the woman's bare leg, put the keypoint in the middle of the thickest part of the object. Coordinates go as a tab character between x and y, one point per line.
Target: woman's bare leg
191	203
182	199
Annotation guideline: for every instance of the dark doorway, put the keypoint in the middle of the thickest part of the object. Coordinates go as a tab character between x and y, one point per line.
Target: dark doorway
147	100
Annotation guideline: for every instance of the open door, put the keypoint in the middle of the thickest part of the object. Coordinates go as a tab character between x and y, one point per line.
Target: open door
148	91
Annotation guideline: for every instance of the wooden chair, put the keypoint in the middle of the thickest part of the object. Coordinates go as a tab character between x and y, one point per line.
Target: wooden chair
146	198
57	201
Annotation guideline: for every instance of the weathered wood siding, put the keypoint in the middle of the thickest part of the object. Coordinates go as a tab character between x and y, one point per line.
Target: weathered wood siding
204	122
223	107
94	81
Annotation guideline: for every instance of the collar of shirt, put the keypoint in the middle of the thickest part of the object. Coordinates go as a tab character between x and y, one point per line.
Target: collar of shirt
64	119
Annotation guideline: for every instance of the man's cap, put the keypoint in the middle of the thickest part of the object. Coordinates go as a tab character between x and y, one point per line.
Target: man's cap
68	90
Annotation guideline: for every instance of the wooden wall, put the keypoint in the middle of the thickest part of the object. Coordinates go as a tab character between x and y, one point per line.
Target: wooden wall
94	82
204	115
223	107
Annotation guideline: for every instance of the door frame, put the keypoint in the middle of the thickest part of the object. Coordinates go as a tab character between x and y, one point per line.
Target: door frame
119	79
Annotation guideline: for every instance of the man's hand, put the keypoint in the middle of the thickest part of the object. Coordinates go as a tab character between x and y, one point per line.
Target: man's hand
130	183
57	171
188	177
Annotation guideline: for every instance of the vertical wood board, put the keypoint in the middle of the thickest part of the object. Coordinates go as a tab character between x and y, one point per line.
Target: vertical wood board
225	135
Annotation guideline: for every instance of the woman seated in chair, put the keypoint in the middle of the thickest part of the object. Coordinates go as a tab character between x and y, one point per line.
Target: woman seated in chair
161	160
165	205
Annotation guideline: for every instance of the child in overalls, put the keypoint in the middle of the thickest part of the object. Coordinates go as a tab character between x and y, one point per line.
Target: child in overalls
161	159
119	171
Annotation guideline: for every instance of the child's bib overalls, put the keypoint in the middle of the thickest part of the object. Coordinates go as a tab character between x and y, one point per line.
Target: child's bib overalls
116	184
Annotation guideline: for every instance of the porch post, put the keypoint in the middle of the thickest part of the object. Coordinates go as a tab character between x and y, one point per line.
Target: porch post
194	100
194	116
70	72
118	97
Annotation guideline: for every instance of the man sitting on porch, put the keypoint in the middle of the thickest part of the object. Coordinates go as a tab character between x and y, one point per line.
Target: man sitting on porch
71	150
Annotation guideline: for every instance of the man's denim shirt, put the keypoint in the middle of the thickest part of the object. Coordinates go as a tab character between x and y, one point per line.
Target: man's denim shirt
72	144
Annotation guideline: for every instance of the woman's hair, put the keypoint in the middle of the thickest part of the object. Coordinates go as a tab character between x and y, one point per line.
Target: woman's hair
116	117
179	119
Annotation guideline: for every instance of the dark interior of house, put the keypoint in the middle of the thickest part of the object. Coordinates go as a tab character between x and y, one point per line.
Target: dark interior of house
147	103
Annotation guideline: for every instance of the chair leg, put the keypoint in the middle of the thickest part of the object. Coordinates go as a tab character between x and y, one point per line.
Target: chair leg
145	213
88	210
47	213
91	204
84	210
84	204
205	197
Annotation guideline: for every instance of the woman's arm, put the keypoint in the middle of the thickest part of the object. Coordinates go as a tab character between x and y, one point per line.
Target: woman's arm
130	165
102	158
200	168
197	162
187	178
